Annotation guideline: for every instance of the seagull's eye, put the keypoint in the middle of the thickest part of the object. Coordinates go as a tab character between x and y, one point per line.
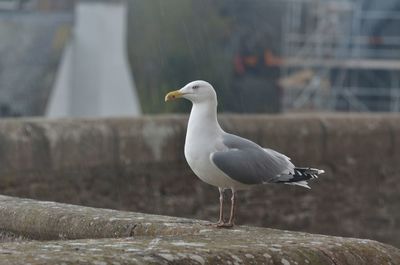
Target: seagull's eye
195	87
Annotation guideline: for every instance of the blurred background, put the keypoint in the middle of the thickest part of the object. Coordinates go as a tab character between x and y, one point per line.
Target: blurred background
65	57
325	59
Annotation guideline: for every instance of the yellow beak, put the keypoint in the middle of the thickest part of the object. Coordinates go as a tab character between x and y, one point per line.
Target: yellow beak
173	95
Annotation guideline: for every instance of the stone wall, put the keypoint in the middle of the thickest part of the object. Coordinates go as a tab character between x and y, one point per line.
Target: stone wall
138	165
84	235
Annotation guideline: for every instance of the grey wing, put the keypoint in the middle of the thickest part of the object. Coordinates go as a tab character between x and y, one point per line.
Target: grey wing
248	163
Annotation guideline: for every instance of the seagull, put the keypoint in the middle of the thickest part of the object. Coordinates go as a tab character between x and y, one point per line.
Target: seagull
228	161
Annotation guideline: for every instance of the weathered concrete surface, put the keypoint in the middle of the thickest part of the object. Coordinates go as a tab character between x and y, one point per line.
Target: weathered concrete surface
166	240
6	236
138	165
239	246
44	220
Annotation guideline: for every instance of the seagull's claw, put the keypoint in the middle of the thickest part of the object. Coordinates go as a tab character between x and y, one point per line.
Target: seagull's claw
225	225
221	224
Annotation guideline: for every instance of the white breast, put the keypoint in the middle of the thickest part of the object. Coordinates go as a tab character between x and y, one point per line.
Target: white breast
204	137
200	162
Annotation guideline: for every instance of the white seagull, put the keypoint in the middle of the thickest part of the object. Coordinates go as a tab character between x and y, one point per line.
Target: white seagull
228	161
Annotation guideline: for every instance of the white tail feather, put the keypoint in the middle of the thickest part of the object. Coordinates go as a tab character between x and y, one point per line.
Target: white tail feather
302	183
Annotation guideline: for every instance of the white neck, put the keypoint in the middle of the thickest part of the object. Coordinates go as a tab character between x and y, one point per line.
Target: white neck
205	115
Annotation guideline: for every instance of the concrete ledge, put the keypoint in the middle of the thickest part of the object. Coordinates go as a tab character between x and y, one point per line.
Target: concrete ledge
41	220
239	246
165	240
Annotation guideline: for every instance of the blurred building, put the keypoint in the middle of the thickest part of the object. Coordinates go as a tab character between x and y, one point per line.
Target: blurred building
30	50
55	59
37	5
262	56
94	77
341	55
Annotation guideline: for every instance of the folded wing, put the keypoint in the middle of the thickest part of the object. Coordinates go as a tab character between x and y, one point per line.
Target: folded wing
248	163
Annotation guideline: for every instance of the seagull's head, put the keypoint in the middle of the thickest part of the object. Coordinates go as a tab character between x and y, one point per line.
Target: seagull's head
197	92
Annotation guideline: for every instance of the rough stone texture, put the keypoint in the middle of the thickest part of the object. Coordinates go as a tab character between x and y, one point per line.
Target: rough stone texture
43	220
6	236
138	164
240	246
166	240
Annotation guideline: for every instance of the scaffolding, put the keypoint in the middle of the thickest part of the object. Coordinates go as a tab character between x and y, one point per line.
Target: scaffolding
341	55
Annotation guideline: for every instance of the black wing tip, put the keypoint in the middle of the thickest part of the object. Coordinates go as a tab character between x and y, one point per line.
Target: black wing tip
302	174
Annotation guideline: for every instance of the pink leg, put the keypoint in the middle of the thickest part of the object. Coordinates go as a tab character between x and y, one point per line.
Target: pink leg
231	221
221	221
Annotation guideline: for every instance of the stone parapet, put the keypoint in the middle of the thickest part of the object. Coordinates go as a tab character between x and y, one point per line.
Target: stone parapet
116	237
138	165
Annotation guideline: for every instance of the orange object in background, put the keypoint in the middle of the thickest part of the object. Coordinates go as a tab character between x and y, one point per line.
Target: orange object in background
250	60
271	60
